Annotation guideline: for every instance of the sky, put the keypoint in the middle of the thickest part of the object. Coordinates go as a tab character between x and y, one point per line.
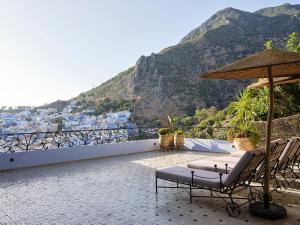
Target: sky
56	49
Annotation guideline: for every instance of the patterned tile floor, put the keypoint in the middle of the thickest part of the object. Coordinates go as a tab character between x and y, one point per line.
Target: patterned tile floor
115	191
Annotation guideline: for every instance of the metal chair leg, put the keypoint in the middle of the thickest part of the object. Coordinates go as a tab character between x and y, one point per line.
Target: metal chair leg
191	194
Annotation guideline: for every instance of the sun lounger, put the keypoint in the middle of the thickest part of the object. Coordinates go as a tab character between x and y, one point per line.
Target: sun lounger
286	165
225	164
221	184
288	154
283	155
296	159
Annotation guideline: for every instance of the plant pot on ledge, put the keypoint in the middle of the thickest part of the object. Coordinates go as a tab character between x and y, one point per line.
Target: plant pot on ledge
171	141
164	141
245	137
179	141
242	144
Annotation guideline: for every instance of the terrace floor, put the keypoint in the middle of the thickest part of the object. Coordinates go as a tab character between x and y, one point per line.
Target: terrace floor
115	190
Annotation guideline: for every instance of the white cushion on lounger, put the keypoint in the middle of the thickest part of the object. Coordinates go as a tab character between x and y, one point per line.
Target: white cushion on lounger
204	178
209	165
182	174
226	159
238	154
233	175
288	152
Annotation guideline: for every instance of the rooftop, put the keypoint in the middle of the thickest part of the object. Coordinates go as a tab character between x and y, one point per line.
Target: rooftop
116	190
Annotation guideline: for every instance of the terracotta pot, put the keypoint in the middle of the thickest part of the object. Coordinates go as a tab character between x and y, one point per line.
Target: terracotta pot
229	138
242	144
179	141
164	141
171	141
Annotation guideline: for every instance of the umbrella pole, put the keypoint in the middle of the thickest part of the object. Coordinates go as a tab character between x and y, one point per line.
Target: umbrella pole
266	209
268	141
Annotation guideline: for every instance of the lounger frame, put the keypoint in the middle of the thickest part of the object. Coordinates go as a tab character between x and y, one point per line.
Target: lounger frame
287	171
240	183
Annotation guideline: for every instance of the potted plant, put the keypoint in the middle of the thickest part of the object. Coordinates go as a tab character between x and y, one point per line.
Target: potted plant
231	134
245	137
179	139
164	139
172	126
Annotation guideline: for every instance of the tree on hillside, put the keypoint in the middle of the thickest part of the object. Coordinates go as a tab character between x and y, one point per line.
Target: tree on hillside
293	43
287	96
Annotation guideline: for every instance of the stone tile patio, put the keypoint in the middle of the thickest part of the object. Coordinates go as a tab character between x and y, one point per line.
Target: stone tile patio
115	191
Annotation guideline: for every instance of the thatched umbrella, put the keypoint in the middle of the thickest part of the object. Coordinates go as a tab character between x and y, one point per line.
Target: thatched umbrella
270	64
276	81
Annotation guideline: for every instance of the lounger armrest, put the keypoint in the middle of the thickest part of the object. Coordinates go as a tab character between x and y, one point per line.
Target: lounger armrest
192	172
204	177
226	168
220	177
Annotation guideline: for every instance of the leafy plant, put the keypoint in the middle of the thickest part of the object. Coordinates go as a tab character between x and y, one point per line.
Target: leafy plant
242	108
293	43
269	45
287	97
206	123
164	131
260	103
173	121
179	131
195	132
187	121
202	114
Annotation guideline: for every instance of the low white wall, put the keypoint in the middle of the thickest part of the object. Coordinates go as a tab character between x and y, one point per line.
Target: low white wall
209	145
43	157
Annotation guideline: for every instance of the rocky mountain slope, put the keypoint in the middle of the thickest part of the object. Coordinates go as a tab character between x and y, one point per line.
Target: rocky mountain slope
168	82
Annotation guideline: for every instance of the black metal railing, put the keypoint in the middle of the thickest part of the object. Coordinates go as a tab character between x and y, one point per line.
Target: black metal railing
22	142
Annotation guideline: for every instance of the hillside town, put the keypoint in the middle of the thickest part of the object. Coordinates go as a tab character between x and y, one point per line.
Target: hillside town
50	119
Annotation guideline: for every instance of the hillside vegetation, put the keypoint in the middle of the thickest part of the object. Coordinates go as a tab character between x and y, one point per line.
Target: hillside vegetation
249	106
167	83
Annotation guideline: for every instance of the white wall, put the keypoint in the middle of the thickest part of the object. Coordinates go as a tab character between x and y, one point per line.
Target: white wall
209	145
43	157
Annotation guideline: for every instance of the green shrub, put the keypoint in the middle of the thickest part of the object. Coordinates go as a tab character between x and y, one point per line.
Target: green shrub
179	131
186	121
202	114
206	123
220	134
164	131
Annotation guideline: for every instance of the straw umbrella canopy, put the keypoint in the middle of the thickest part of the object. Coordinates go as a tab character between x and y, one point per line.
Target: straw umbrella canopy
276	81
283	64
271	64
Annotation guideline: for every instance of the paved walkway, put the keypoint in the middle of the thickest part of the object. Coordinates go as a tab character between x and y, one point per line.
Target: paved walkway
114	191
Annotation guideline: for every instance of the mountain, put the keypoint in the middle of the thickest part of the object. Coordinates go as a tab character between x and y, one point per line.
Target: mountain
285	9
168	82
